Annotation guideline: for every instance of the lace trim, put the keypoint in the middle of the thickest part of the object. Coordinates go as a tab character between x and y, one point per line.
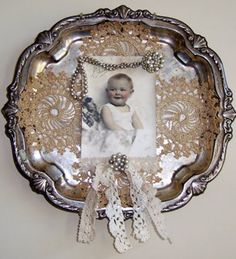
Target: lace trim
145	203
87	221
148	168
115	214
140	163
139	200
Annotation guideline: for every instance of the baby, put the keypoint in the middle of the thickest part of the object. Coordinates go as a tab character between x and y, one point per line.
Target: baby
120	119
117	114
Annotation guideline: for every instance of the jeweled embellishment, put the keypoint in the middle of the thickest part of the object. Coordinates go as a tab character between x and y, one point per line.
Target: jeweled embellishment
152	61
119	162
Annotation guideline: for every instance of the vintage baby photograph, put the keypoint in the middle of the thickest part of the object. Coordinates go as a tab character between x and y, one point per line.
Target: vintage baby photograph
118	113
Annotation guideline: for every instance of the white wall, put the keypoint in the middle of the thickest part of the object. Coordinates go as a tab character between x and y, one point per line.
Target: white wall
31	228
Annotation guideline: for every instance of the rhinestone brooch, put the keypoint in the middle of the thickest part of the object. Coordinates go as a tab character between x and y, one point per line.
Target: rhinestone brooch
119	162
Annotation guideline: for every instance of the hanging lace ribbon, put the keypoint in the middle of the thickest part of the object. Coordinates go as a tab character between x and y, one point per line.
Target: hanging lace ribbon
143	196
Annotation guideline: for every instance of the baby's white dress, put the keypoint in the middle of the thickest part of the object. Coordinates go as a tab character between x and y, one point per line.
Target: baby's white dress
114	141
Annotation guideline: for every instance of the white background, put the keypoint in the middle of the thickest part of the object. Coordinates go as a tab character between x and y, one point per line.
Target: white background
31	228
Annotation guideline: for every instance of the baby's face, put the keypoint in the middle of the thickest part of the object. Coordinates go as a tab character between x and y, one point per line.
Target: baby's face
118	91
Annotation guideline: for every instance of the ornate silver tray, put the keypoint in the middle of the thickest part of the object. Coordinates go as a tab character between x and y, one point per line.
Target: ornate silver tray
184	108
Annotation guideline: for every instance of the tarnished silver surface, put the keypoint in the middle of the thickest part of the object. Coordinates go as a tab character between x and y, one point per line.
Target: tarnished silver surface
55	44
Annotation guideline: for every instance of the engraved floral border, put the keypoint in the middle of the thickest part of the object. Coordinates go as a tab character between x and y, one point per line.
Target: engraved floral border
45	39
